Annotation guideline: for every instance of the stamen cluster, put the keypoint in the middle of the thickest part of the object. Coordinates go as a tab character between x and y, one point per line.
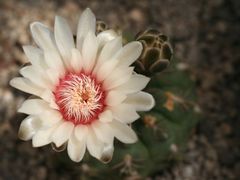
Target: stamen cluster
80	98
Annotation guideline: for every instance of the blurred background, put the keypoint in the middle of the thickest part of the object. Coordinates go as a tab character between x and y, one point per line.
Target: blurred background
205	36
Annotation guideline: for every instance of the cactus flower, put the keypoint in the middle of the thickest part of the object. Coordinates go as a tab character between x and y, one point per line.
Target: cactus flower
85	91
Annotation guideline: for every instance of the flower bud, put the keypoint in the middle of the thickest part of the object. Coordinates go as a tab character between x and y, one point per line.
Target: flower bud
101	26
157	52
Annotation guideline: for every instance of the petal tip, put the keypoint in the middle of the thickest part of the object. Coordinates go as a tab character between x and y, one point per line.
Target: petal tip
15	82
35	143
24	134
88	11
88	14
139	45
59	19
152	102
133	139
25	48
12	82
20	110
35	24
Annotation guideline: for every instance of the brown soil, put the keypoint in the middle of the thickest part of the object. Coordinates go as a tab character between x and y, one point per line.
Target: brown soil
205	36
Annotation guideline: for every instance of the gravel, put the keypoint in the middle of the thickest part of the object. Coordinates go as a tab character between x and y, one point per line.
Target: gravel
205	36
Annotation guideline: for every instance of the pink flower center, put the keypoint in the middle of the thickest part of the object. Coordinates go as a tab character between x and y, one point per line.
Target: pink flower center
80	98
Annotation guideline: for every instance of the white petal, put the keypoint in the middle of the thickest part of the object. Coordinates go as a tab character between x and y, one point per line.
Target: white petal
106	116
105	69
129	53
53	75
28	127
54	61
48	96
26	85
76	149
125	113
107	53
43	137
32	73
141	101
106	36
35	56
81	132
42	36
118	77
103	131
33	106
123	132
94	145
45	40
136	83
77	61
110	49
107	153
49	118
89	52
114	98
62	133
87	23
64	39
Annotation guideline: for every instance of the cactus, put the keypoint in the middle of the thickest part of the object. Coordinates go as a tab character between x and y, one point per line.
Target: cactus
164	131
